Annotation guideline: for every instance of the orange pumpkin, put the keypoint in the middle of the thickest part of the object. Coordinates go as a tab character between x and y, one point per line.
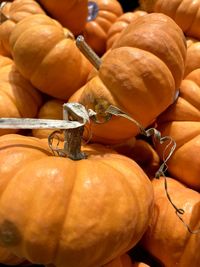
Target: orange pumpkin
19	99
185	13
65	210
51	109
140	75
71	14
15	12
46	54
120	24
182	122
96	30
167	238
193	55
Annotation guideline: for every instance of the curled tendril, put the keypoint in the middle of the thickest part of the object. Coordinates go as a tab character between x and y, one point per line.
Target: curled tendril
56	136
167	153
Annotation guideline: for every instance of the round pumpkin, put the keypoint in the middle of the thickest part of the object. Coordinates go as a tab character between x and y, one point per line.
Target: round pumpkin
179	247
185	13
140	75
120	24
51	109
65	210
19	99
71	14
45	53
96	30
182	122
15	12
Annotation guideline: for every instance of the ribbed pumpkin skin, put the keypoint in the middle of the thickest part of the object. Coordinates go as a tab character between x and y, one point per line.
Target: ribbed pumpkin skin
185	13
19	99
51	109
182	122
122	261
46	54
140	75
72	14
193	55
18	10
66	211
96	31
167	231
120	24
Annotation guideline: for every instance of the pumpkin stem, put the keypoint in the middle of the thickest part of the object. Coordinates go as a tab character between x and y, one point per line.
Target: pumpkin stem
72	137
88	52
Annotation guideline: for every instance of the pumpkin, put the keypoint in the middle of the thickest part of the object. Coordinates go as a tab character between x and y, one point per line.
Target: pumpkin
19	99
193	55
140	75
45	53
96	30
179	247
51	109
182	122
15	12
8	258
67	210
71	14
120	24
185	13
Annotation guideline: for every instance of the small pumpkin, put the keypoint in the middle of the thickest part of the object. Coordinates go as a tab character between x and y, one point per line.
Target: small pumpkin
140	75
15	12
51	109
167	238
101	203
45	53
120	24
182	122
185	13
71	14
19	99
96	30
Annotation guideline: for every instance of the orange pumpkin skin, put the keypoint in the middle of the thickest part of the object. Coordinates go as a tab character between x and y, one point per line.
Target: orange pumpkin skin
181	121
19	99
46	54
51	109
121	261
96	31
140	75
120	24
15	11
166	230
105	207
71	14
193	55
8	258
185	13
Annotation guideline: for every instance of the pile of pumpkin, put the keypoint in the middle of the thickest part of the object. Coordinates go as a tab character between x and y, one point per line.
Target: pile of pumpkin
107	209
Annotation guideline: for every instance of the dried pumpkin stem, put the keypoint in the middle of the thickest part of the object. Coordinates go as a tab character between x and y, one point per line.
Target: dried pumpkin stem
72	137
88	52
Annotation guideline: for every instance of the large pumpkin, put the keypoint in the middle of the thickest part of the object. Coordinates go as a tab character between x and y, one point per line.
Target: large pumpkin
45	53
167	238
185	13
19	99
83	212
72	14
140	74
120	24
96	30
15	12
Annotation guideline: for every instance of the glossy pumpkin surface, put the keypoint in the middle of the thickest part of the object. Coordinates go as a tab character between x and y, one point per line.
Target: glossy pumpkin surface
65	210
